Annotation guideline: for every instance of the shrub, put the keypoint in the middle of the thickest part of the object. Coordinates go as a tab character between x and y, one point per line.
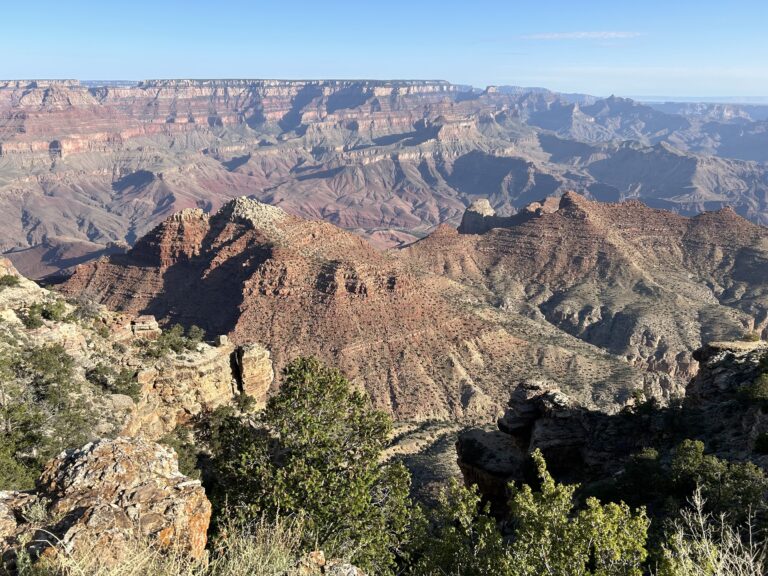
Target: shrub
195	334
51	372
316	453
54	391
551	538
101	329
702	544
40	412
86	308
31	318
123	382
549	535
643	471
14	473
461	537
8	281
751	337
54	311
174	340
731	488
757	391
183	443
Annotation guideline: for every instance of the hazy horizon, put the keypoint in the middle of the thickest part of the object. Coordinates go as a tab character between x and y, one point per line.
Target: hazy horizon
658	48
653	98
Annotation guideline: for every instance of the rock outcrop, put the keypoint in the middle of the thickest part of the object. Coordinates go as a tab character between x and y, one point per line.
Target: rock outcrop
24	294
253	372
480	217
177	388
582	445
171	390
105	496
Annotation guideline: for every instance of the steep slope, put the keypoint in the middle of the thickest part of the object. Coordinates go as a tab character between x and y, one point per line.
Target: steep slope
422	345
641	283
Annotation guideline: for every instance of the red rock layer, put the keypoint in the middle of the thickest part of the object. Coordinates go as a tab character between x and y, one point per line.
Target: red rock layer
422	346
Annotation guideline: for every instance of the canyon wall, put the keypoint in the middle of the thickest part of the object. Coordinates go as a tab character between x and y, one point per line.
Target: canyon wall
89	169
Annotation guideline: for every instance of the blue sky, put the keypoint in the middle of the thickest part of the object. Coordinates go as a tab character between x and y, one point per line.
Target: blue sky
651	47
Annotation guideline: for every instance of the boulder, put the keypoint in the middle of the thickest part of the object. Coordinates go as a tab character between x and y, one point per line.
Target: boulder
104	496
146	327
254	370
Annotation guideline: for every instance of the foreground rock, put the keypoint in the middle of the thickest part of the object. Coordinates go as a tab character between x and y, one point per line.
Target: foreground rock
104	496
582	445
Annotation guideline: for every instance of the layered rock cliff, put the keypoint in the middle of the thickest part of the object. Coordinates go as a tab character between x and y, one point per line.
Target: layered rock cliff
422	345
645	284
604	299
83	166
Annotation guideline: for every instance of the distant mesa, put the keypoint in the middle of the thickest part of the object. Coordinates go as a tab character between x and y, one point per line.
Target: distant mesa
106	161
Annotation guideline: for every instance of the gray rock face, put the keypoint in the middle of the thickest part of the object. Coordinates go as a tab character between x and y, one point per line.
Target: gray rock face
725	367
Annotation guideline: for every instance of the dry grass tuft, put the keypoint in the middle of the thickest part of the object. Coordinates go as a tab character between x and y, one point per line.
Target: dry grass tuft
242	549
704	545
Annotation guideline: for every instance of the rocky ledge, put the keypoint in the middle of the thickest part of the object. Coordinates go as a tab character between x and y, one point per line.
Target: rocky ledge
105	495
582	445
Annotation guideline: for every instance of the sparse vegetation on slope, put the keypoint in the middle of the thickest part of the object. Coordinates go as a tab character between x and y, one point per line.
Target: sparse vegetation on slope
242	549
175	340
549	534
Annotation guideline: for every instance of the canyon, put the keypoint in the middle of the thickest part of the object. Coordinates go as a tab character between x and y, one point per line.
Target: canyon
605	300
86	169
589	273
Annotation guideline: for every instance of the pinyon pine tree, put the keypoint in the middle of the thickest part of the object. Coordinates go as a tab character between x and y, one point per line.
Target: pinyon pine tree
314	452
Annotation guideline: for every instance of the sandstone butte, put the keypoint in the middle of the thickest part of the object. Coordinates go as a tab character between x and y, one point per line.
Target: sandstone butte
604	299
